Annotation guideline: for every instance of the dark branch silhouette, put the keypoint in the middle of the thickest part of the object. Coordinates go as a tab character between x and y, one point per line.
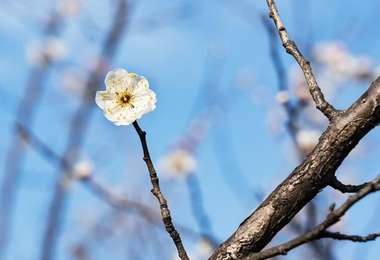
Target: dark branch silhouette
336	184
165	213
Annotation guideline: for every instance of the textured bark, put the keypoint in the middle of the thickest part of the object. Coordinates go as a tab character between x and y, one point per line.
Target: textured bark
346	129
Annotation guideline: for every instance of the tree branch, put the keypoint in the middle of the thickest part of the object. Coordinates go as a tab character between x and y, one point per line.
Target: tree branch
165	213
354	238
310	177
336	184
320	231
345	130
326	108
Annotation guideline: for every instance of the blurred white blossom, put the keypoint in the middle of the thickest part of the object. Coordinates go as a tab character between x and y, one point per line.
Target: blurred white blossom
203	249
178	162
72	80
83	169
341	62
300	87
51	50
282	97
127	97
69	8
307	139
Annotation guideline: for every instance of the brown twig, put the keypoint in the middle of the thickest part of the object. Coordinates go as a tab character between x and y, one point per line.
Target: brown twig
336	184
326	108
354	238
319	231
165	213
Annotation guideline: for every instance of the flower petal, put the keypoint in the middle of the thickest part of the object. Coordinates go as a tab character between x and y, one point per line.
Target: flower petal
127	97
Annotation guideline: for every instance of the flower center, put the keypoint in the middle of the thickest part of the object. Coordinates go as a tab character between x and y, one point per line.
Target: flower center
124	99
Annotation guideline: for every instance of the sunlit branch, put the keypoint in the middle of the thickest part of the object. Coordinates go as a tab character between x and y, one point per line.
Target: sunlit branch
326	108
319	231
165	213
293	112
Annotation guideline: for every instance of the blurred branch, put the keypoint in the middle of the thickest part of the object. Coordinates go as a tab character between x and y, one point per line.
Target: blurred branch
327	109
100	191
151	22
166	17
320	231
120	202
91	184
208	100
79	127
199	213
282	79
291	110
215	109
165	212
14	157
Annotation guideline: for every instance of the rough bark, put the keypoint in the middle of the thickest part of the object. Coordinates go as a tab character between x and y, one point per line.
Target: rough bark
346	129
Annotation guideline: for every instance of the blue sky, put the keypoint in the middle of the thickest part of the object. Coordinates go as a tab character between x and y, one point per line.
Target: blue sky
193	59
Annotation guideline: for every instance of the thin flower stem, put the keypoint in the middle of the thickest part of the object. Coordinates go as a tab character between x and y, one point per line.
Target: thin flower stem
165	213
316	93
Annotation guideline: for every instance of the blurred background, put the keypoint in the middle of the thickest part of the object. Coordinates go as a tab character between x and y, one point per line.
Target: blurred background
233	119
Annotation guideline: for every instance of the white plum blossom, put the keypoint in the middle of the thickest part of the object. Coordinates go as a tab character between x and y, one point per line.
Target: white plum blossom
127	97
178	162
